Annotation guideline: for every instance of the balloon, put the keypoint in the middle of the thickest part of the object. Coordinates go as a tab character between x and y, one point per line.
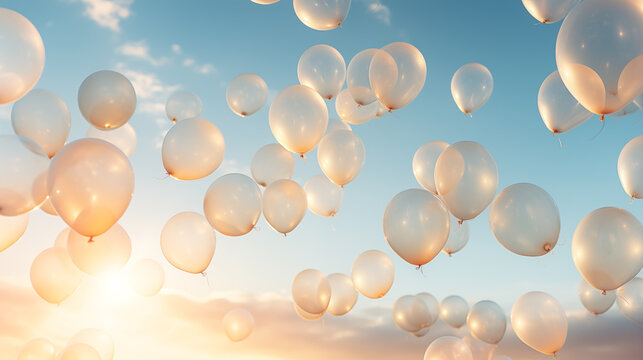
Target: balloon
322	14
630	300
232	204
306	315
124	138
448	348
79	352
487	322
24	175
458	236
105	253
343	294
373	273
480	350
424	163
193	149
397	74
525	220
357	81
238	324
630	167
107	99
22	56
43	117
13	227
264	2
549	11
454	310
188	242
341	156
416	225
423	331
471	87
606	248
352	112
540	322
599	53
38	349
54	276
183	105
594	300
559	110
246	94
466	177
337	124
432	306
628	109
311	291
271	163
322	68
410	313
323	197
298	128
284	205
99	340
90	184
48	208
63	238
147	277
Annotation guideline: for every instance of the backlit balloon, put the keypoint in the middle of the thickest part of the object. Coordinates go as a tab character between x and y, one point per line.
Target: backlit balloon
540	322
238	324
357	81
146	277
322	14
423	331
106	99
432	305
410	313
79	351
487	322
63	238
264	2
630	300
448	348
284	205
246	94
306	315
232	204
123	138
471	87
13	227
38	349
343	294
183	105
352	112
98	339
270	163
322	68
373	273
549	11
341	156
424	162
594	300
188	242
54	276
454	310
323	197
311	291
105	253
48	208
458	236
630	167
559	110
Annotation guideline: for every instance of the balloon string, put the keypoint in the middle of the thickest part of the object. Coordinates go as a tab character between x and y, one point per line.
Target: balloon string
621	298
560	142
601	130
207	279
332	226
167	175
256	227
555	357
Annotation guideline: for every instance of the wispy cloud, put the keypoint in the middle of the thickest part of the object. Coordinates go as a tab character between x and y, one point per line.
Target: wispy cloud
176	48
140	50
379	11
148	86
108	13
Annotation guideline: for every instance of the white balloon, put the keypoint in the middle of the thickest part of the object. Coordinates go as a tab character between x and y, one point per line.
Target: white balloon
323	197
471	87
630	300
353	113
13	227
54	276
458	236
322	14
373	273
454	310
337	124
343	294
424	162
322	68
540	322
594	300
232	204
311	291
410	313
238	324
183	105
448	348
630	167
284	205
107	99
559	110
188	242
123	138
270	163
106	253
306	315
246	94
432	305
37	349
549	11
341	156
487	322
357	81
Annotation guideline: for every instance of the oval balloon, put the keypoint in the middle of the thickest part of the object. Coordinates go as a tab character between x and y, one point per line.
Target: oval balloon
238	324
559	110
352	112
270	163
630	167
357	81
284	205
107	99
99	340
183	105
594	300
458	236
410	313
540	322
146	277
471	87
188	242
323	197
13	227
38	349
630	300
487	322
424	162
246	94
79	352
54	276
123	138
341	156
448	348
232	204
549	11
322	14
432	305
105	253
322	68
454	310
343	294
311	291
373	273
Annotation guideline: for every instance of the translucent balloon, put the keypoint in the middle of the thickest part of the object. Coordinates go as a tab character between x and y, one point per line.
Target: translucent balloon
341	156
458	236
22	55
13	227
549	11
238	324
323	197
63	238
107	99
599	53
246	94
423	331
99	340
43	117
48	208
38	349
79	352
322	68
306	315
559	110
311	291
270	163
540	322
24	175
183	105
479	349
343	294
466	177
607	248
337	124
357	81
471	87
630	167
487	322
352	112
90	184
322	14
448	348
264	2
105	253
284	205
397	74
628	109
454	310
298	118
373	273
188	242
147	277
123	138
232	204
594	300
410	313
424	162
432	305
192	149
525	220
54	276
630	300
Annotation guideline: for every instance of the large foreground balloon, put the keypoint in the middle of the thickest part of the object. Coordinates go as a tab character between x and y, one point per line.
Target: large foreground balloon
311	291
424	162
549	11
270	163
54	276
630	300
594	300
238	324
105	253
322	14
341	156
123	138
352	112
471	87
183	105
448	348
284	205
146	277
357	81
188	242
410	313
98	339
232	204
540	322
373	273
487	322
559	110
106	99
37	349
323	197
322	68
246	94
90	184
630	167
454	310
13	227
607	247
343	294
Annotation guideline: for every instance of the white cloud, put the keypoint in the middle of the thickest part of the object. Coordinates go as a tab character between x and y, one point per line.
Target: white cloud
108	13
379	11
147	85
176	48
188	62
206	69
139	50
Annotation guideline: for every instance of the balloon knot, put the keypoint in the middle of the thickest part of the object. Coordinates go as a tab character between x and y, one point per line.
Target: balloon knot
91	239
460	222
173	120
602	117
243	113
285	235
329	97
547	247
302	156
420	269
449	254
604	292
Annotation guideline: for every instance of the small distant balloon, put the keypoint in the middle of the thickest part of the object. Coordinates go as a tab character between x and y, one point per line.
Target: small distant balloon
343	294
246	94
124	138
630	167
448	348
471	87
593	299
232	204
454	310
98	339
559	110
424	162
238	324
341	156
373	273
353	113
357	77
54	276
630	300
147	277
323	197
37	349
107	99
284	205
487	322
322	68
432	305
322	14
311	291
410	313
264	2
183	105
270	163
540	322
188	242
549	11
13	227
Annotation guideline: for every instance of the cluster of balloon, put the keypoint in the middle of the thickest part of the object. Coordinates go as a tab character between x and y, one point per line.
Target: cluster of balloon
373	273
548	12
232	204
471	87
246	94
454	310
416	314
238	324
183	105
558	108
321	14
630	167
188	242
540	322
594	300
630	300
448	348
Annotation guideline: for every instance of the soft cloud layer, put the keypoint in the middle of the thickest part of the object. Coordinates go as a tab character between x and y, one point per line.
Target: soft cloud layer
379	11
140	50
108	13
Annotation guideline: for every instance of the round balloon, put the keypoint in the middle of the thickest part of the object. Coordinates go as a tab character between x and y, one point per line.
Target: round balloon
323	197
188	242
13	227
432	305
630	167
123	138
311	291
146	277
38	349
238	324
454	310
246	94
373	273
594	300
322	68
559	110
357	81
107	99
264	2
232	204
423	331
487	322
540	322
183	105
630	300
284	205
98	339
270	163
341	156
448	348
79	352
352	112
471	87
54	276
410	313
424	162
343	294
549	11
105	253
322	14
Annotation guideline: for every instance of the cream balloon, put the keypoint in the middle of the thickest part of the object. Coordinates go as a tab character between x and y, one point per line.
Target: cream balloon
410	313
559	110
599	53
63	238
306	315
373	273
471	87
124	138
54	276
270	163
540	322
337	124
343	294
24	175
264	2
106	99
458	236
79	352
298	128
232	204
98	339
47	207
22	55
106	253
238	324
43	117
525	220
37	349
322	68
487	322
284	205
607	248
352	112
311	291
246	94
357	81
594	300
448	348
432	305
416	225
188	242
630	167
146	277
341	156
397	74
90	184
549	11
323	197
454	310
424	162
466	177
13	227
183	105
630	300
322	14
